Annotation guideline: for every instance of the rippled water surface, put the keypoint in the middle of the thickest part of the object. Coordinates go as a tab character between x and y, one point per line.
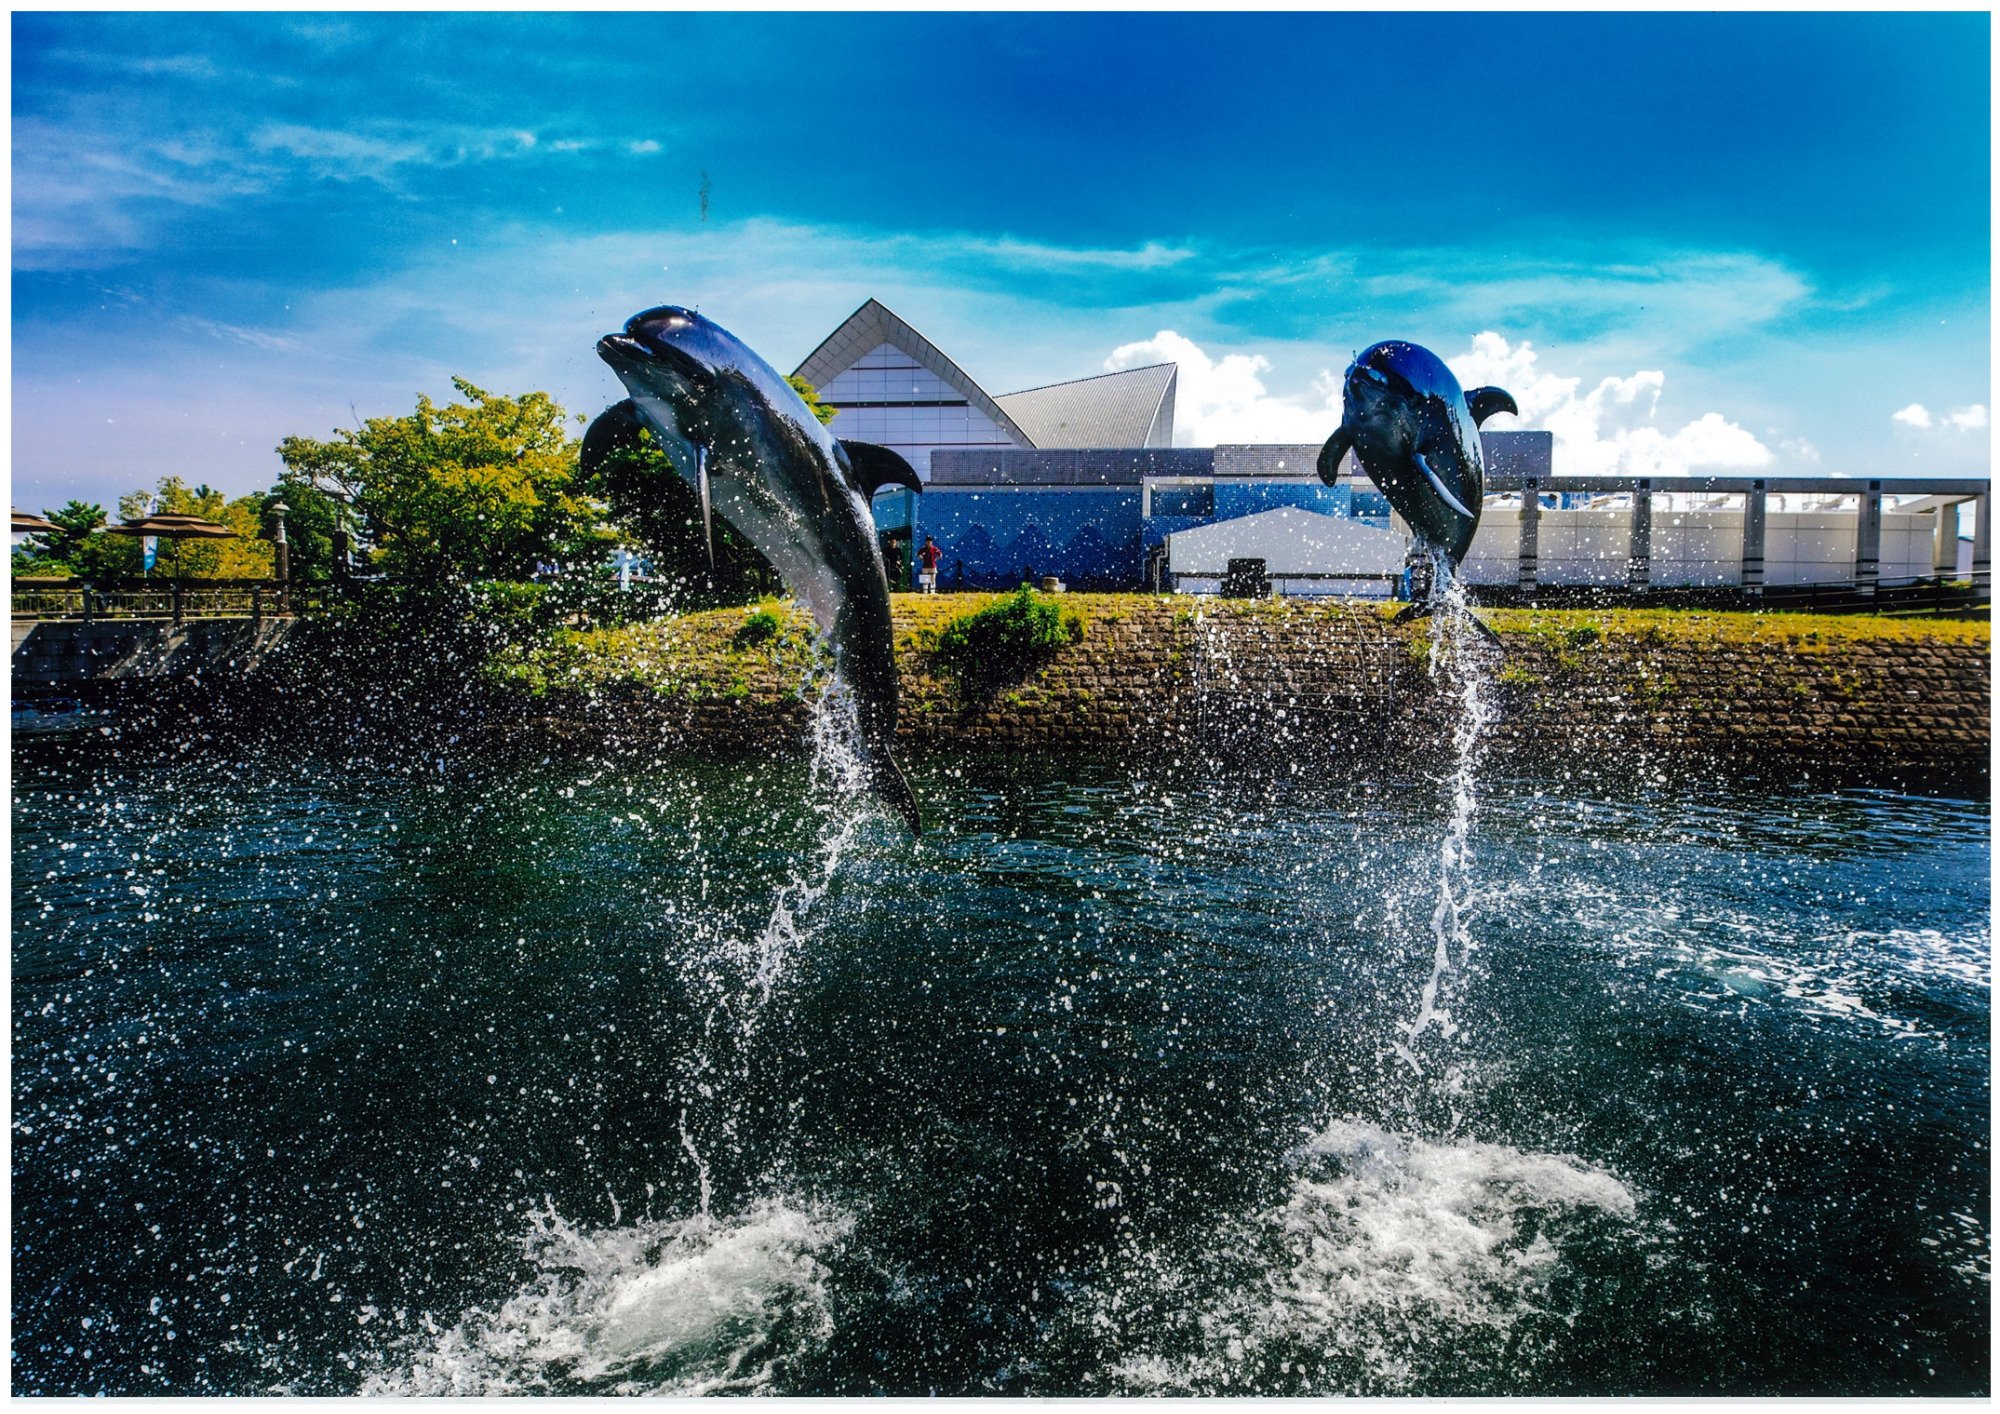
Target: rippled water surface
413	1076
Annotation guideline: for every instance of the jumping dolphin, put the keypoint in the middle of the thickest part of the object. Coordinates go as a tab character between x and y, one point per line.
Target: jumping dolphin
762	461
1417	437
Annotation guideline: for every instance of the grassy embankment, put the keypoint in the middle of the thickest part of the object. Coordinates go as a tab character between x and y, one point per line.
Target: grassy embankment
767	649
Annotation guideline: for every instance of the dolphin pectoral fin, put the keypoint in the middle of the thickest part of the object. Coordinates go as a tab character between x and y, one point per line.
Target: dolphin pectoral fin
618	428
870	468
1411	611
707	506
1333	453
1484	402
887	780
1437	485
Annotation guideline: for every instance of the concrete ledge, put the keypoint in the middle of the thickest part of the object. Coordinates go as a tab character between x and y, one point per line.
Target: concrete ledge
69	654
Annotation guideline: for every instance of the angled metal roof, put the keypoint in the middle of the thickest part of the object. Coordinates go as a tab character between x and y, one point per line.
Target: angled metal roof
1130	408
874	324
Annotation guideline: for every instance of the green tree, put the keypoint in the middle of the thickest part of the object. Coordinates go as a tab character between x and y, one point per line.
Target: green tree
75	549
825	412
656	507
483	489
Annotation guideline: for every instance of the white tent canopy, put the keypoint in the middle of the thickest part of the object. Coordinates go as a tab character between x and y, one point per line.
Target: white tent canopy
1303	551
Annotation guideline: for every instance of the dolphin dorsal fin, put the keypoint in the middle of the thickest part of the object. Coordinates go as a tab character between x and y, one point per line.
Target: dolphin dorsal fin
870	468
617	429
1333	453
1484	402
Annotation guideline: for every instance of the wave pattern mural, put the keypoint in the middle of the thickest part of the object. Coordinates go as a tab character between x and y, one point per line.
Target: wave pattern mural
993	539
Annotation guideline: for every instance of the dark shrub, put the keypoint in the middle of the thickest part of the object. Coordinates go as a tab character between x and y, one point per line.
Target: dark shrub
1003	642
760	627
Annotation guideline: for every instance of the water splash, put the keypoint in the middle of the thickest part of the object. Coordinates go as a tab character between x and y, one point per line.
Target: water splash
837	793
745	972
1393	1264
682	1307
1456	665
710	1302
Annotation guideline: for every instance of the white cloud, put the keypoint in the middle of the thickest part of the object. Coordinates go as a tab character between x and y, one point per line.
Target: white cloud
378	156
1036	255
1965	419
1611	428
1665	302
644	147
1223	399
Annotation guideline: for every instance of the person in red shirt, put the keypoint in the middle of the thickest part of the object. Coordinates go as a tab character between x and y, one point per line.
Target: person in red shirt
928	557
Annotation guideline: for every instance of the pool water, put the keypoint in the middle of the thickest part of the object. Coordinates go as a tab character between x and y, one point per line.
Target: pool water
340	1074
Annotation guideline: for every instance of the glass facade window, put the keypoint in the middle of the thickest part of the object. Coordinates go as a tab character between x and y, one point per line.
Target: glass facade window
888	398
1183	500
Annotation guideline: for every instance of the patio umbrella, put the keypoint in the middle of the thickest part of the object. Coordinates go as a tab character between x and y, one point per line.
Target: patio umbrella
25	524
173	528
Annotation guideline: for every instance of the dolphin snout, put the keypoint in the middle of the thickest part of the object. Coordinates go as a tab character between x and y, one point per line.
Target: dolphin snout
617	348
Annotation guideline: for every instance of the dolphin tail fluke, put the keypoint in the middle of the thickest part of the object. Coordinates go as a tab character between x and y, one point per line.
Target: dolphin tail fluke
887	780
1333	453
1424	611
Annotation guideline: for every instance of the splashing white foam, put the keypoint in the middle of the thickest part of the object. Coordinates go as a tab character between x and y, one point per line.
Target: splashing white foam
1388	1249
693	1306
1404	1222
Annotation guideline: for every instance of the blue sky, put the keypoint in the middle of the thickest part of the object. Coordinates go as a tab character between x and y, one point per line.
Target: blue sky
1685	241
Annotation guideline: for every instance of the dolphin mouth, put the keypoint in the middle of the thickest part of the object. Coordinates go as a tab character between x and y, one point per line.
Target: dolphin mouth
615	349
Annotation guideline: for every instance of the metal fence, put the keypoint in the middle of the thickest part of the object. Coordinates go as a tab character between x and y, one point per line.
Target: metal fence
175	600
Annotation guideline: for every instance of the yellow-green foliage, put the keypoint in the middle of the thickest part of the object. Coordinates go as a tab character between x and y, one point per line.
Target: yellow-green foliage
1657	627
718	653
714	653
483	489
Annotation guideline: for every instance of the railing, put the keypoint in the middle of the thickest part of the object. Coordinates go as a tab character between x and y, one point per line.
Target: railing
176	600
1953	598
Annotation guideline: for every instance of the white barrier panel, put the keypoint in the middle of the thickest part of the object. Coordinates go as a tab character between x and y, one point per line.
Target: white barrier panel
1293	587
1695	547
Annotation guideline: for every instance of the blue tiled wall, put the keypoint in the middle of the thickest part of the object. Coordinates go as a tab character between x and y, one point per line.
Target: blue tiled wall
1090	537
1093	537
1233	500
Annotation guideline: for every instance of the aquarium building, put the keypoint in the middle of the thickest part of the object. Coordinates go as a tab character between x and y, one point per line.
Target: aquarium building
1081	481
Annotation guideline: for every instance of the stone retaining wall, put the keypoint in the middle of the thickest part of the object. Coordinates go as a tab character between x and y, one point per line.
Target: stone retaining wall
1302	680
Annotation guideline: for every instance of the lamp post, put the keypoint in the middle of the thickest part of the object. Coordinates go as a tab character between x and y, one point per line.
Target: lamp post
281	555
